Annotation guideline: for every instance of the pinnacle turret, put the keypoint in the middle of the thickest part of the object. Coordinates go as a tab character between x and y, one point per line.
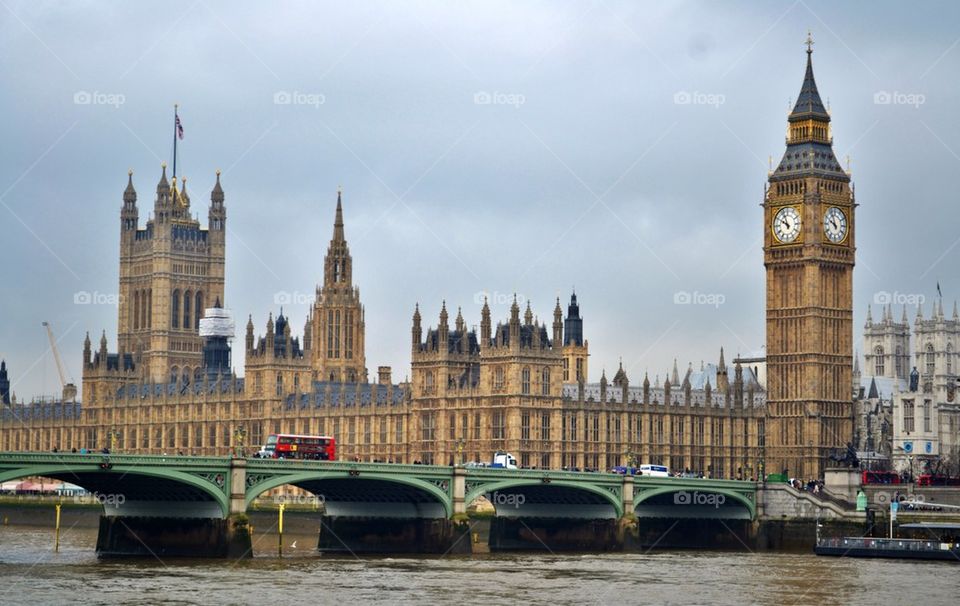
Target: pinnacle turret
164	185
216	194
130	194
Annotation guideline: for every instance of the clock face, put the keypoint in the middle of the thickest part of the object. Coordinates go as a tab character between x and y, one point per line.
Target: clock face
786	224
835	225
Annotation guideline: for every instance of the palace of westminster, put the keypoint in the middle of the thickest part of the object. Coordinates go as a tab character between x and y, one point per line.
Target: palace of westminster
516	384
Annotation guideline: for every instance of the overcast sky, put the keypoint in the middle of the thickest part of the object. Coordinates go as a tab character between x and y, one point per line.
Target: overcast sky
485	147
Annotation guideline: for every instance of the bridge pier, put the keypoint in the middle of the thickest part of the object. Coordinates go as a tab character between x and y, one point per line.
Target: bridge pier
173	537
354	535
555	534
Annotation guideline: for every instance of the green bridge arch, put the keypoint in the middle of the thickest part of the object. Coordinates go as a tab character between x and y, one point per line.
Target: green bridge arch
739	497
72	473
598	490
296	478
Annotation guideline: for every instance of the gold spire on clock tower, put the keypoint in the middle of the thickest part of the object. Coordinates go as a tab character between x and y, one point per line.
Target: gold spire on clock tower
809	257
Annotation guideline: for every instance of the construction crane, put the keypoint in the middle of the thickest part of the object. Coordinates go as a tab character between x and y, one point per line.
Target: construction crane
69	389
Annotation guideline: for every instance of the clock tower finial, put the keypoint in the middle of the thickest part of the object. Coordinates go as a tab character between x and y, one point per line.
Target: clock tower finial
809	43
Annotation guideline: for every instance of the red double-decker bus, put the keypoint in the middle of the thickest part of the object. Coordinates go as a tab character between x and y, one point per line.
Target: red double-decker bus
880	477
292	446
929	479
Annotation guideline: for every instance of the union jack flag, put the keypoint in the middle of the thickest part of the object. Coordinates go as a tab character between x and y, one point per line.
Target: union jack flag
179	128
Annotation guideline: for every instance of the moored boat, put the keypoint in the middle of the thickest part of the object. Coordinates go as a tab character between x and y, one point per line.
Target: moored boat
941	544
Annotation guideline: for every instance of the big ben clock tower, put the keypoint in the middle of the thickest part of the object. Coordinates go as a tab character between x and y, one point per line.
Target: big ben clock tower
808	252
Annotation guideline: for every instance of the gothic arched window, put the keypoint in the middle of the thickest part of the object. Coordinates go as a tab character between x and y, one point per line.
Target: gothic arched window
143	309
186	309
525	381
175	309
136	309
931	360
898	362
949	358
545	381
279	384
878	361
198	310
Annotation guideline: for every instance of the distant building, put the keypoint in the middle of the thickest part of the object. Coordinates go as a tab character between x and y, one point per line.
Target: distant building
4	383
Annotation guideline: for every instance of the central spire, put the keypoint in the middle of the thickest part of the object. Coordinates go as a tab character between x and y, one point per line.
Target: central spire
338	221
337	264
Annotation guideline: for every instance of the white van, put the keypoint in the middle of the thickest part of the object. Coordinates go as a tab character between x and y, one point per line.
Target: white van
657	471
504	460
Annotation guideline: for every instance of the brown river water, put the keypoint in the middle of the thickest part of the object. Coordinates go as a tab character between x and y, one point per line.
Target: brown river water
32	573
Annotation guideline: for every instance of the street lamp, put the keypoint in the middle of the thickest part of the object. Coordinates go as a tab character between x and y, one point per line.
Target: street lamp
461	442
113	437
239	437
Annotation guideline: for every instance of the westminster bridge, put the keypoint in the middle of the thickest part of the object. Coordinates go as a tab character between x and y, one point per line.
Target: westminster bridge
197	505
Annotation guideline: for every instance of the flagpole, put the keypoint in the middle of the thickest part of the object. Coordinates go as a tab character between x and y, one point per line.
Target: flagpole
174	140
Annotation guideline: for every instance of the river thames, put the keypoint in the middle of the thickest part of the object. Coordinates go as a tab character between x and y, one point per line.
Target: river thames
32	573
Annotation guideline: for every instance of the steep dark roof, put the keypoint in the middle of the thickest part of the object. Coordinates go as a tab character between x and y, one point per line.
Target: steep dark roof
809	105
809	158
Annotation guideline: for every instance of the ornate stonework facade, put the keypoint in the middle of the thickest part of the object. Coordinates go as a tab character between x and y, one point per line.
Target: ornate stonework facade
809	250
170	271
519	385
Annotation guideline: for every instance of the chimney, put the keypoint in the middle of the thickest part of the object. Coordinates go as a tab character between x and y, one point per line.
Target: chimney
383	372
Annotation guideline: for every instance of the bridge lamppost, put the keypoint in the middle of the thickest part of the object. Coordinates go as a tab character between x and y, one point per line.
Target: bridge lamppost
113	437
461	442
239	436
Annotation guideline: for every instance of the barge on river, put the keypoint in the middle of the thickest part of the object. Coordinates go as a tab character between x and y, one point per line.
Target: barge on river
941	544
